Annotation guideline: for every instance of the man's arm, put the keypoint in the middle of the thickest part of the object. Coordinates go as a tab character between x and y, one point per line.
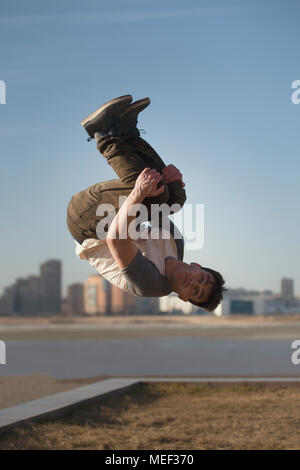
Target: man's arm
118	239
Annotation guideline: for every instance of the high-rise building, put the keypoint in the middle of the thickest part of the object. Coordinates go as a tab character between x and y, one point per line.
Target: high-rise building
75	300
50	281
96	296
122	303
22	298
28	298
34	295
287	290
8	300
102	298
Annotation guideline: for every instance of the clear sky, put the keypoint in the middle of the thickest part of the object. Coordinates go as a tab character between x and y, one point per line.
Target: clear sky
219	76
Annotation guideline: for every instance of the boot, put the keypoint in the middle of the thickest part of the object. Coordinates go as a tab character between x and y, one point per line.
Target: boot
129	118
104	118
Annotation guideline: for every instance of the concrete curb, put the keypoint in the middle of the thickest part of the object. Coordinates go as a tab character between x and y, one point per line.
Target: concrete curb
58	403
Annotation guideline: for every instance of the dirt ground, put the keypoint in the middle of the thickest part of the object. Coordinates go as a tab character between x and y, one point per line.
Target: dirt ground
173	416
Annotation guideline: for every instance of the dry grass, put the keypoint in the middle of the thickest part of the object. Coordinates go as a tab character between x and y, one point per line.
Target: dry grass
173	416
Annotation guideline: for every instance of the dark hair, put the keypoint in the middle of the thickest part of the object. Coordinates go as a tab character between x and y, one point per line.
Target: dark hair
216	294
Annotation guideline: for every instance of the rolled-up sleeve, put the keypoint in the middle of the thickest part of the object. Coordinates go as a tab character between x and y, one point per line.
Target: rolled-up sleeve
144	278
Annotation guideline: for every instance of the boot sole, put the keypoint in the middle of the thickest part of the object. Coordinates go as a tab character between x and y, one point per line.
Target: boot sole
95	114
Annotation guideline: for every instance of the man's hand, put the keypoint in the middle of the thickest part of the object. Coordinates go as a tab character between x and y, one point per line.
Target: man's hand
171	174
123	250
146	183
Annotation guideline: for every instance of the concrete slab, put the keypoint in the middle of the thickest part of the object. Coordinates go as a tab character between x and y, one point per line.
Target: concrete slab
59	402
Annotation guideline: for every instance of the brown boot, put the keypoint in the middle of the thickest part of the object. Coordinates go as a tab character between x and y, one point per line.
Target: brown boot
105	117
129	118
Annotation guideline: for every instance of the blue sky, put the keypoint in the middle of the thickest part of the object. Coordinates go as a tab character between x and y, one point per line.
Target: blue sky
219	76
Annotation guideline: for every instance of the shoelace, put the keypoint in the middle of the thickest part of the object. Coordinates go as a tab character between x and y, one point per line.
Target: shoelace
111	132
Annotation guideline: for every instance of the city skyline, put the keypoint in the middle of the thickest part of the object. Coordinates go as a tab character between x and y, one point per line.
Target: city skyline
220	82
282	278
42	294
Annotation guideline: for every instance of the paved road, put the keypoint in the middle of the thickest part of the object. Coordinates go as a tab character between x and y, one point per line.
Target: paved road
150	356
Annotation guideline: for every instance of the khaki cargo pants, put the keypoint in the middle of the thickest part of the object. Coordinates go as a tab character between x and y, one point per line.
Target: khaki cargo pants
128	156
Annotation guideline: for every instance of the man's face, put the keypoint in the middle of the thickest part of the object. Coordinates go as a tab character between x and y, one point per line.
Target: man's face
191	282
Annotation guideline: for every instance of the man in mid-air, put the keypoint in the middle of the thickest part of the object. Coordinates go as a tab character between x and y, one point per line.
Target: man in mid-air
149	264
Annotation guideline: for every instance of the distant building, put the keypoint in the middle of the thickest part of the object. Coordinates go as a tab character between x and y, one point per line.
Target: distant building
96	296
240	306
100	297
172	304
122	303
35	295
27	296
287	291
147	306
22	298
50	282
260	304
75	304
8	300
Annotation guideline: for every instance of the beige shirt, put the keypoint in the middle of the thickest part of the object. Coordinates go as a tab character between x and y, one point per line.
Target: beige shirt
155	249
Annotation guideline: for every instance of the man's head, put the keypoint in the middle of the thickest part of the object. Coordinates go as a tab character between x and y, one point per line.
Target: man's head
200	286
